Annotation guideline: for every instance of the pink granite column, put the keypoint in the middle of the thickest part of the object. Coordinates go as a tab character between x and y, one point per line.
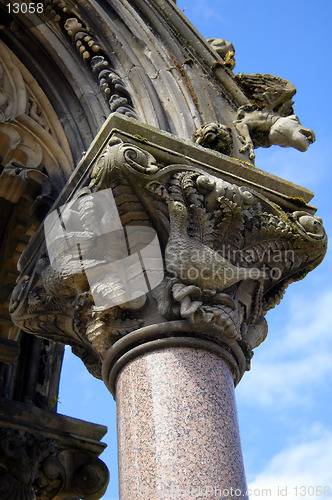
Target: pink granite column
178	435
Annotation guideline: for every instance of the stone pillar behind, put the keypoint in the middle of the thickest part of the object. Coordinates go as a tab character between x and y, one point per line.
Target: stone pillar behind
178	433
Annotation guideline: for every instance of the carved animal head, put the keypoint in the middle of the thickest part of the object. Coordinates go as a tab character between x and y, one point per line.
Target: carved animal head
288	132
178	210
224	49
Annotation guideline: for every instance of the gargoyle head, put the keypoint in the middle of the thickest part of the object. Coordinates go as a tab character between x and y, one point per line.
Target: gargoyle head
287	131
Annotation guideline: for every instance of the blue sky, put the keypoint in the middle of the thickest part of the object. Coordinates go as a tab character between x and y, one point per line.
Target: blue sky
284	403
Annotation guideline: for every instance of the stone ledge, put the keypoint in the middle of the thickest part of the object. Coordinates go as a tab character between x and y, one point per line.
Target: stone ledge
174	151
165	146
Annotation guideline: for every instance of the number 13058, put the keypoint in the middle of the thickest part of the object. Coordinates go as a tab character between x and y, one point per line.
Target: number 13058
25	8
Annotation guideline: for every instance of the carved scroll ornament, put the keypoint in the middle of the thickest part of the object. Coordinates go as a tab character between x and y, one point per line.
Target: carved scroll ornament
223	256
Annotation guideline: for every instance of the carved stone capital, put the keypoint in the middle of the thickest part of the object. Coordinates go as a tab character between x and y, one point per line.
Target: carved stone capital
165	243
56	458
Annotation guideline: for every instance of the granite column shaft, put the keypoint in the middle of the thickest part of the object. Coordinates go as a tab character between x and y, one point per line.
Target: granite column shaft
178	433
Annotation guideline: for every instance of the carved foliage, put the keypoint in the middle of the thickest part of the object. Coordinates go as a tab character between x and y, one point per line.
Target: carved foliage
24	459
35	162
231	254
228	254
55	294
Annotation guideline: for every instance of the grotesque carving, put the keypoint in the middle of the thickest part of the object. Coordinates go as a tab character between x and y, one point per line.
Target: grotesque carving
225	256
215	136
270	119
288	132
264	129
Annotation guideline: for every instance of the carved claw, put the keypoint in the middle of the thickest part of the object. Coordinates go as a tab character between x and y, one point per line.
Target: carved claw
250	150
162	294
189	308
180	291
225	300
184	294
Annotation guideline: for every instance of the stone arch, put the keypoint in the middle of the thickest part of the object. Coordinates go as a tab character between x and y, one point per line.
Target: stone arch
36	161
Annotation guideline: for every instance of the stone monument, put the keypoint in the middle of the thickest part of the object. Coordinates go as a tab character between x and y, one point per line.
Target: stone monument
155	253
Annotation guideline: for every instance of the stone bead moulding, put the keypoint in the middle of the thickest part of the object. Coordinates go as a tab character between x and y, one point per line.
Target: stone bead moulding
157	239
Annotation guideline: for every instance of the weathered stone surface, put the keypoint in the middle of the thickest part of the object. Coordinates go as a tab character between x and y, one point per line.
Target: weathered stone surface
231	243
218	240
269	119
45	455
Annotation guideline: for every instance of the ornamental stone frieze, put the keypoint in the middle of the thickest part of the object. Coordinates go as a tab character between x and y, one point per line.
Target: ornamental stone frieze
156	239
35	163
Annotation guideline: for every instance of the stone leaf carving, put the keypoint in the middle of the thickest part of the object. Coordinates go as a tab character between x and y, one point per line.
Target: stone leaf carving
215	136
230	255
35	164
91	291
12	89
227	256
269	119
16	179
22	455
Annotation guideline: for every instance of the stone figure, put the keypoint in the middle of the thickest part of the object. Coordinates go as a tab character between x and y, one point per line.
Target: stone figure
196	263
263	129
215	136
269	119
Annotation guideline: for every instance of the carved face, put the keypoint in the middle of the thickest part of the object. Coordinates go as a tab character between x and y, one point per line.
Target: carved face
288	132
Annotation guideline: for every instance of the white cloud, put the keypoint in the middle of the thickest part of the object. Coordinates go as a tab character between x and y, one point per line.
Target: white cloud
283	384
309	325
299	471
293	362
200	10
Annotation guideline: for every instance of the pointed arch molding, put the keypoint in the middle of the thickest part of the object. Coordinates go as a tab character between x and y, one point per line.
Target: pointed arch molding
32	138
139	58
167	73
135	72
36	161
